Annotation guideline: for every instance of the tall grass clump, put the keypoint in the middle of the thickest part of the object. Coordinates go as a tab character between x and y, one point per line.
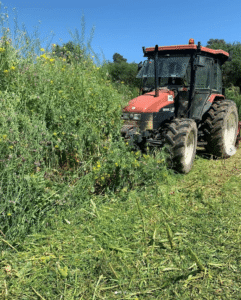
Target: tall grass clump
60	137
233	93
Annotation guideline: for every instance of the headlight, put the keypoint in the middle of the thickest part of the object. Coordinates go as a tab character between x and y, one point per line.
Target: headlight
137	117
125	116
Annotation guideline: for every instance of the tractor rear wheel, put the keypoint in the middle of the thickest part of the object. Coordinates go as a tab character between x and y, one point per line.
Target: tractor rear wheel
220	128
180	139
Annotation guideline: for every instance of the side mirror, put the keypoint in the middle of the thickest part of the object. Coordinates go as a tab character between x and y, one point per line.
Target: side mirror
140	65
200	61
230	56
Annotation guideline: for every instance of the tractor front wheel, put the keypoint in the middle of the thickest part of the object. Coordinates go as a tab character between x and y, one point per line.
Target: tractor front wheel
180	138
220	128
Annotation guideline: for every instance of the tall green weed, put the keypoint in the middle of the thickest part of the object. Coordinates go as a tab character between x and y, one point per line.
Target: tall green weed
60	137
233	93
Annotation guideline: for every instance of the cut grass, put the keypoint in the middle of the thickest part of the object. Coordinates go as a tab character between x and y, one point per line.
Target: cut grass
117	246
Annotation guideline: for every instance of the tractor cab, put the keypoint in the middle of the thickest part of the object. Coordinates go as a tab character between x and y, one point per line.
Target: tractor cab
192	72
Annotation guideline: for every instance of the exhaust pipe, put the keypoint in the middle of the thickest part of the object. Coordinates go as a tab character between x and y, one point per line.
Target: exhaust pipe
156	71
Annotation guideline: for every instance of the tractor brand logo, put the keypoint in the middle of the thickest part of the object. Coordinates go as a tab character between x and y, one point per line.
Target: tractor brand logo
168	109
170	98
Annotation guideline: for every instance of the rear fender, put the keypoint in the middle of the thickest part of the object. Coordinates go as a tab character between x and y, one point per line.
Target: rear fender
214	97
210	101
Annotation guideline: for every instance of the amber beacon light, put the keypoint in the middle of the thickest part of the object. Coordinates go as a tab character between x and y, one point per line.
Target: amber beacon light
191	41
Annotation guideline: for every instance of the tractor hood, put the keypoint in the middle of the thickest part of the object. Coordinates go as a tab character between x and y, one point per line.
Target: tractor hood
148	103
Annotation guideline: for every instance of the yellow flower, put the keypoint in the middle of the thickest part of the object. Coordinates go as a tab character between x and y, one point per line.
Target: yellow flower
4	136
64	59
63	133
9	214
43	259
52	60
51	82
102	178
122	81
54	133
160	161
13	68
5	71
2	49
60	91
10	147
116	164
63	69
56	146
42	50
43	56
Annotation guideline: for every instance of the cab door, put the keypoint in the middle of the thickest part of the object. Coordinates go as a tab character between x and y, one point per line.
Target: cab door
203	87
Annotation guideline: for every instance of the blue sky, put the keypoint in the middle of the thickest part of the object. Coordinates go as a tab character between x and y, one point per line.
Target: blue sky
127	25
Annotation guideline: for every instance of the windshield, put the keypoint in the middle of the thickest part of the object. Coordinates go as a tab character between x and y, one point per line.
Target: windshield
167	66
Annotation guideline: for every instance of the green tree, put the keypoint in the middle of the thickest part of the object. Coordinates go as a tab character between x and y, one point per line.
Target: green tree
213	43
117	58
122	71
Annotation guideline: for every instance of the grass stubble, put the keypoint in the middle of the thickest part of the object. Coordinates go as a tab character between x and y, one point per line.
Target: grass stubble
83	217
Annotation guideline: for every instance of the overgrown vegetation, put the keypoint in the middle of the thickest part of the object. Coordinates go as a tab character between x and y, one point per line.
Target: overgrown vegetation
83	217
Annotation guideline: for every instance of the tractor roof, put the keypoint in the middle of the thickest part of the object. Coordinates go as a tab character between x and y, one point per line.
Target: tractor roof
190	48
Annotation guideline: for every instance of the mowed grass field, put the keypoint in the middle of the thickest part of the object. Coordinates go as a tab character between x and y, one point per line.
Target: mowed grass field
173	239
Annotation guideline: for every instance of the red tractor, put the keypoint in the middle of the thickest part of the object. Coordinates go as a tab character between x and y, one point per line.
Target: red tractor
182	105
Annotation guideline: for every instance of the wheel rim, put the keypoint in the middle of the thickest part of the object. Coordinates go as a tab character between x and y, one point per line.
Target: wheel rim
230	133
189	148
